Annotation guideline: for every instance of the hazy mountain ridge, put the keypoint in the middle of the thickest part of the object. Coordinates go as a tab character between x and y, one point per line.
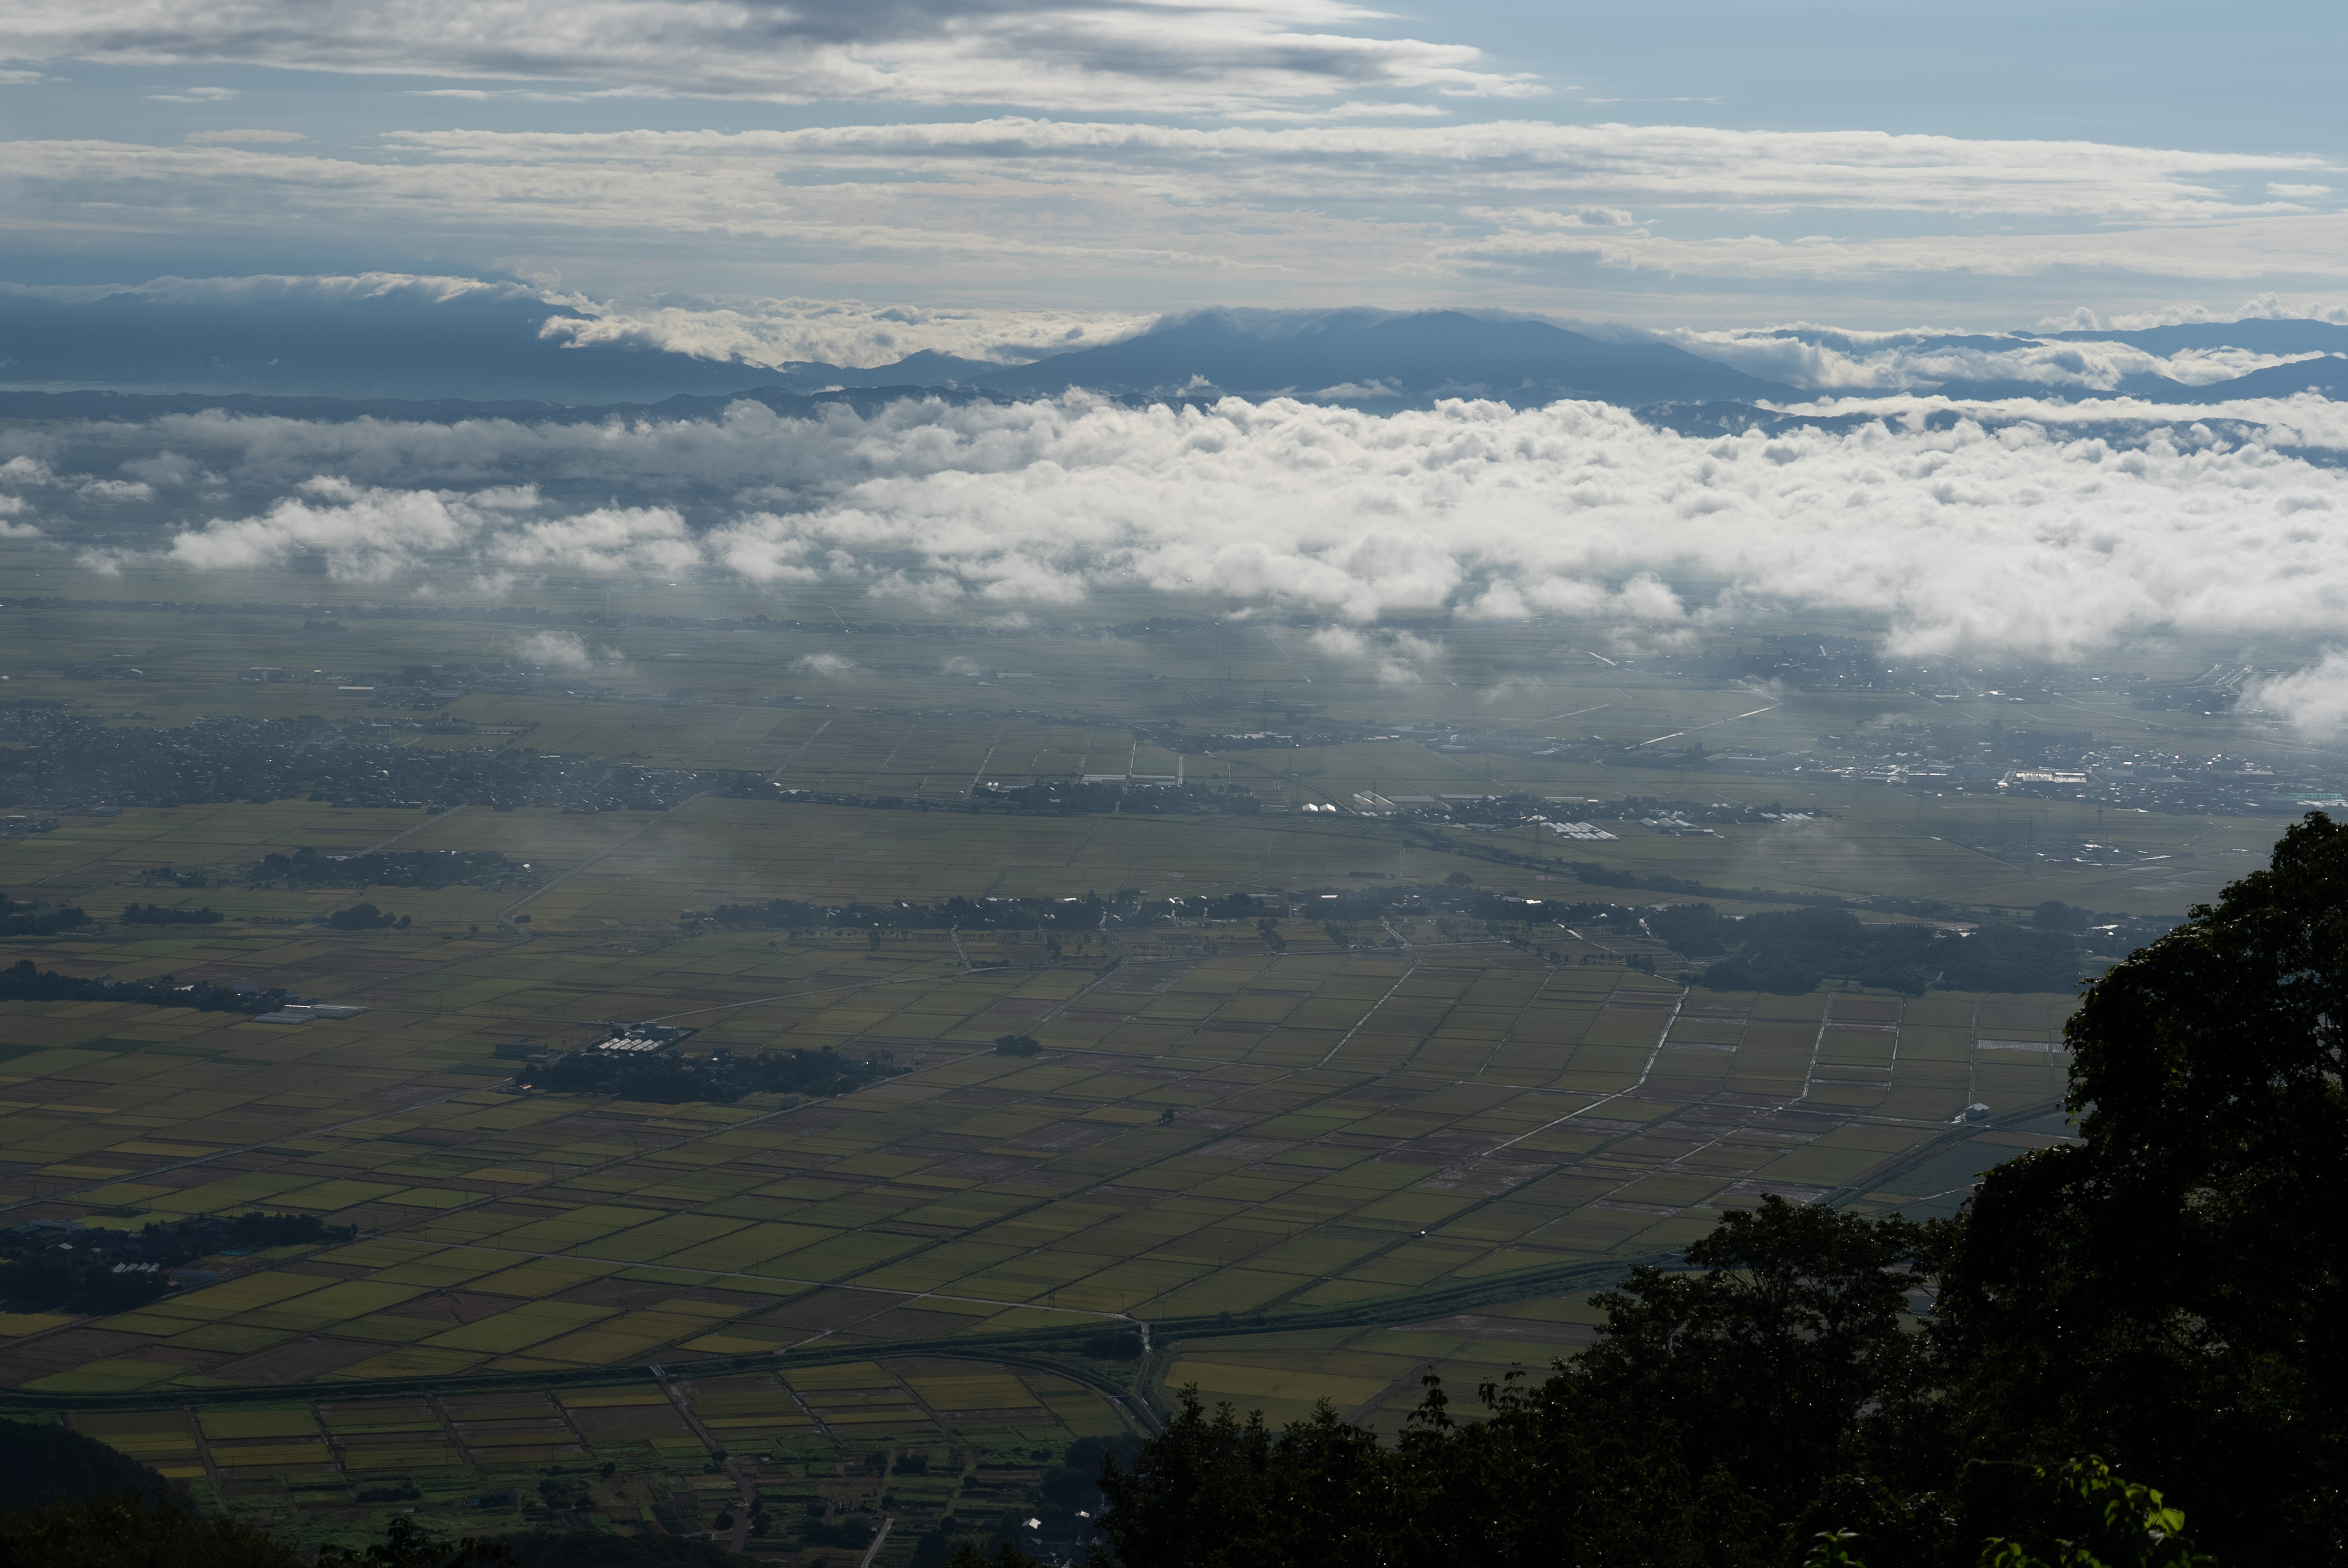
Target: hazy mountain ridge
490	352
1373	360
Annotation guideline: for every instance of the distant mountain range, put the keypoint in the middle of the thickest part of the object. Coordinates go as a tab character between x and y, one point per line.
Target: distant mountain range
485	353
1364	359
479	347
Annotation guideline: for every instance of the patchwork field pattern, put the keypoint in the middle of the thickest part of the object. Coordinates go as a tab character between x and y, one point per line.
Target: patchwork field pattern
1241	1133
1223	1136
918	1438
1309	1163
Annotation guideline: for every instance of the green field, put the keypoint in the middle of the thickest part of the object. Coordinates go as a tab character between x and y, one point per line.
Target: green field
950	1437
1319	1167
1327	1109
1347	1127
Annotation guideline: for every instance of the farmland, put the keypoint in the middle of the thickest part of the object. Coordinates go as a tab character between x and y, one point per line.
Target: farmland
1312	1155
1228	1134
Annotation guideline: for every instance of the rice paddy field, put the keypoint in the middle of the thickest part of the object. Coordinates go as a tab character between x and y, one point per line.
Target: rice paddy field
1319	1167
1239	1132
916	1439
1210	1142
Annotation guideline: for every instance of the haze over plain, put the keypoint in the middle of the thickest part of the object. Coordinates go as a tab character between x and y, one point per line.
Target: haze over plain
1361	663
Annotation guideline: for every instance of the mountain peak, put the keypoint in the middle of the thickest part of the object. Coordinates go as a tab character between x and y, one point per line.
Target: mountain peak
1382	360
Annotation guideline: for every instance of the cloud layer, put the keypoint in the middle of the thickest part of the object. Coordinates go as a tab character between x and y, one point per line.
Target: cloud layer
839	332
1120	54
1664	166
1084	212
2314	699
1121	157
372	535
2035	529
1829	359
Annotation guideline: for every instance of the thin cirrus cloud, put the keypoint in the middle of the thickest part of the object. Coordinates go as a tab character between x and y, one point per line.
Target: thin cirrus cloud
1125	55
232	136
2040	528
1370	209
1107	156
1661	167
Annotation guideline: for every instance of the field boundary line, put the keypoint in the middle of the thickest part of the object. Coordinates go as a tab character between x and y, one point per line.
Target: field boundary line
599	855
402	833
1516	1284
825	990
784	766
1416	1370
1950	1133
746	1490
1132	1403
972	788
1675	734
1515	1023
1035	1343
1664	1034
1818	1045
1409	970
619	1265
67	1196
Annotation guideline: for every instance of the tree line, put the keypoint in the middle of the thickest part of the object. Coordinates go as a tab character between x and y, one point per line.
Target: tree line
719	1079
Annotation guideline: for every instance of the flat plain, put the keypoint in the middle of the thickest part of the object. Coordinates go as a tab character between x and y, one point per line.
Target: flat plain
1310	1162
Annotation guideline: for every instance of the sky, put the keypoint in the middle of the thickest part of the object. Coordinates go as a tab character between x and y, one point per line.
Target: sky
753	183
1697	165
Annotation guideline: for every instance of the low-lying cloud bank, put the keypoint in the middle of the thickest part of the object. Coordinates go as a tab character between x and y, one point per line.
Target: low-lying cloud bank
1822	359
2043	529
374	535
2314	699
770	333
2080	354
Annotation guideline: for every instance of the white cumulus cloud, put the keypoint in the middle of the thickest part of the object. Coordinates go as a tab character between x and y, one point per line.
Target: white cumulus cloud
850	332
2028	527
2314	699
372	535
1827	359
559	650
